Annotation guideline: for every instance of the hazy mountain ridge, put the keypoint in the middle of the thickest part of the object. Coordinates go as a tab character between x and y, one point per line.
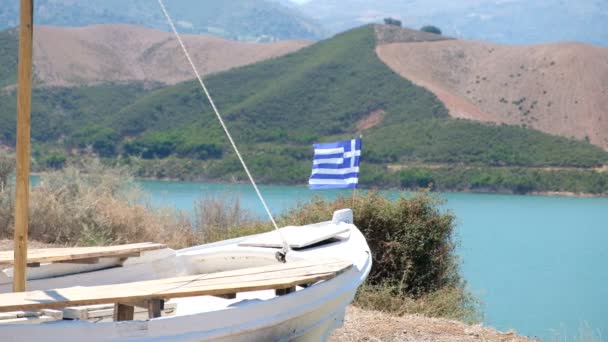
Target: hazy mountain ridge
335	89
127	53
508	21
234	19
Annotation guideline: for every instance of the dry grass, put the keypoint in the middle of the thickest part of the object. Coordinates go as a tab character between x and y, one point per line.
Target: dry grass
450	302
94	206
221	218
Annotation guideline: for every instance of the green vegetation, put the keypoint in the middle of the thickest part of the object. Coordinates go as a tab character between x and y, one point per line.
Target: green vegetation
72	113
468	142
295	100
518	180
430	29
54	160
415	269
9	47
277	108
391	21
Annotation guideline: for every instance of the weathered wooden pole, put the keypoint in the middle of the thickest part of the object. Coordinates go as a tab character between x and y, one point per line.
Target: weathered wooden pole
24	105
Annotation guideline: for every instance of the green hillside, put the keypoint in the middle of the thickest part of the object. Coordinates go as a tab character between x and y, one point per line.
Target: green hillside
234	19
60	113
297	99
9	51
277	108
321	92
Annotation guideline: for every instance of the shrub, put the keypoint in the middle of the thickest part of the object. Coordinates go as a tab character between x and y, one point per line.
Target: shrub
410	239
103	140
415	178
430	29
391	21
54	160
415	269
7	166
153	145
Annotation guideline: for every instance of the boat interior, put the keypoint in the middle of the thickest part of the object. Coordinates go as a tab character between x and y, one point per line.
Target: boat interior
148	280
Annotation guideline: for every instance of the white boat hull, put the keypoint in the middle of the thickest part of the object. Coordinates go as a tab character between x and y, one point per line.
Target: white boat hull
308	314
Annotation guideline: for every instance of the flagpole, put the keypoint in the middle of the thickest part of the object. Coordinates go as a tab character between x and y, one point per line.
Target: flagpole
24	104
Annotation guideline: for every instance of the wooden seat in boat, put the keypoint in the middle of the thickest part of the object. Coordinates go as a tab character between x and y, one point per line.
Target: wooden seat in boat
151	294
80	255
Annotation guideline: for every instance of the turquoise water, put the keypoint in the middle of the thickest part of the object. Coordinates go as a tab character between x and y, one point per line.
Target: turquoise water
538	264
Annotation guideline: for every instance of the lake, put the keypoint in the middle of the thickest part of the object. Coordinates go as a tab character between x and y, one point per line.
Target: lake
538	264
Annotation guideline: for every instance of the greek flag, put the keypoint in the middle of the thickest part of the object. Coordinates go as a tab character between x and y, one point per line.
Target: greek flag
336	165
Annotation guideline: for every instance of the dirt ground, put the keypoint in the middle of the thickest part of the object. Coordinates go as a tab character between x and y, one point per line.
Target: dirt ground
361	325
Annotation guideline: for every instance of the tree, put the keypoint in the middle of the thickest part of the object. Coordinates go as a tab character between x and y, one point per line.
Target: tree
7	166
104	140
391	21
431	29
55	160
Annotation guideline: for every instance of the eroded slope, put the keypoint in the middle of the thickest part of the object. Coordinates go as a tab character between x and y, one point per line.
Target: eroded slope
102	53
556	88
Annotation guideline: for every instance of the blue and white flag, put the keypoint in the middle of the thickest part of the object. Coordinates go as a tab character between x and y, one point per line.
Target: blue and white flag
336	165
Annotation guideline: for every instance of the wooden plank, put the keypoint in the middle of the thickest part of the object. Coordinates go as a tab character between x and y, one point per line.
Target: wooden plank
277	276
105	312
30	317
22	179
123	312
87	261
155	307
75	253
21	314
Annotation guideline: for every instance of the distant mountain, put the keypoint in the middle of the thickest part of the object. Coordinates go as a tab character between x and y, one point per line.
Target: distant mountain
335	89
558	88
248	20
499	21
127	53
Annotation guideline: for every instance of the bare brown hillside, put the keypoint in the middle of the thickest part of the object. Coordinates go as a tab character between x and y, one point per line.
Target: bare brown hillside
69	56
556	88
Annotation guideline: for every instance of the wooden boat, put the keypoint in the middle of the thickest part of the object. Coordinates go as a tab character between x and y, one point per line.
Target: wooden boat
289	284
232	290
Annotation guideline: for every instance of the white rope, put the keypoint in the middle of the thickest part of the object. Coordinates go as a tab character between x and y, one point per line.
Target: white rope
219	117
